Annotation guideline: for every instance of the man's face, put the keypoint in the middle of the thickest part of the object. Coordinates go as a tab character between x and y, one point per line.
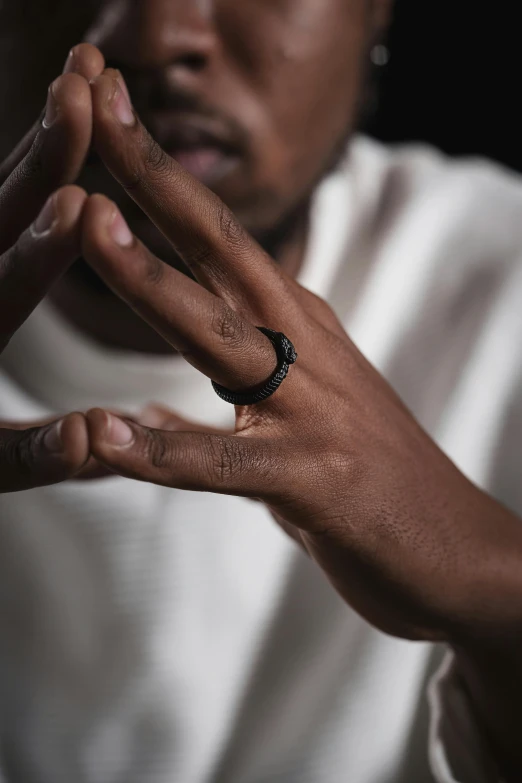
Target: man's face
255	97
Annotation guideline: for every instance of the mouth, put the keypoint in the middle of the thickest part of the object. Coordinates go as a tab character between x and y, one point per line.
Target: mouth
203	146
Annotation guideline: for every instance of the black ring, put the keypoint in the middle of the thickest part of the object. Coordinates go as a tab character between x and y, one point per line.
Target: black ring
286	356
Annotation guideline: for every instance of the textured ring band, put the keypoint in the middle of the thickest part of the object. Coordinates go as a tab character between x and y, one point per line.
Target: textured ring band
286	356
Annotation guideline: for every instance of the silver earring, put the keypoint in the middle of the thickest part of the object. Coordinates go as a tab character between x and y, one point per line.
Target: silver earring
380	55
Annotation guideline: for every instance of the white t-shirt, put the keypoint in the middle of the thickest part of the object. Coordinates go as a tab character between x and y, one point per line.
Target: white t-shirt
150	635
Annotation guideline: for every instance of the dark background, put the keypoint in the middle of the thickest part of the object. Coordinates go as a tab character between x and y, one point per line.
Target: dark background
453	78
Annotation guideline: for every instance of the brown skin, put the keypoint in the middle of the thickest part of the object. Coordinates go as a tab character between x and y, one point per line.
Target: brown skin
32	259
254	56
33	256
406	540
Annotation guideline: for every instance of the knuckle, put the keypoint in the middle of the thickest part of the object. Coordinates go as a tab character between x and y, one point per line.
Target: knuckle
159	451
151	160
18	451
232	462
154	269
227	459
156	158
229	227
226	324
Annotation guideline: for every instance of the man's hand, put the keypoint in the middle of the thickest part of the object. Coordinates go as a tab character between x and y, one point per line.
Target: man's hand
333	452
403	536
39	238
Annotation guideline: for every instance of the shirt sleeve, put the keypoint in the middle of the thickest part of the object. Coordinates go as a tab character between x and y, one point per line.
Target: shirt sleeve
457	750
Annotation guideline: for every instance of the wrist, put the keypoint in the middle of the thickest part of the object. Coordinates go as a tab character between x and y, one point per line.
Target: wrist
486	636
486	606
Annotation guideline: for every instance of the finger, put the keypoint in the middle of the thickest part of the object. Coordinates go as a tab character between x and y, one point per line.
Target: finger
208	333
201	461
94	469
160	418
54	159
85	60
90	470
43	455
40	256
220	254
27	425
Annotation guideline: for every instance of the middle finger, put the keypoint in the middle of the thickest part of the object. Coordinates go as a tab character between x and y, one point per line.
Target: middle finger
219	252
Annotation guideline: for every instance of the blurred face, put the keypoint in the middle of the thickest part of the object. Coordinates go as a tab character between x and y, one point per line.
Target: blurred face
255	97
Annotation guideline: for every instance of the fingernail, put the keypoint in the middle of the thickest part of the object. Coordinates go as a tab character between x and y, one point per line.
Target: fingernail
70	63
53	438
51	111
121	106
45	220
120	231
119	433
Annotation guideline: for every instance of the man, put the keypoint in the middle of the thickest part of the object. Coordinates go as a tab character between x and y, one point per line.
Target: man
150	633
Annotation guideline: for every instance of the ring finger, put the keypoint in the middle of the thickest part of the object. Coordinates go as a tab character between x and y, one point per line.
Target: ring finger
215	339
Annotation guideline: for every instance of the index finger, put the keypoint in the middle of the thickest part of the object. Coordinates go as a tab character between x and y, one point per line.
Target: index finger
205	233
85	60
53	156
41	255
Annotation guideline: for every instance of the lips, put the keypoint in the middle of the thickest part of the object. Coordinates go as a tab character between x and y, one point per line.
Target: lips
203	146
208	164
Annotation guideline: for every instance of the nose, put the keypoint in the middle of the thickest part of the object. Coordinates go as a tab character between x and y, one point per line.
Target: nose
156	35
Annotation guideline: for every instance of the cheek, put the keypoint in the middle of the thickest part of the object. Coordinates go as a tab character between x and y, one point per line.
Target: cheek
313	103
304	68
